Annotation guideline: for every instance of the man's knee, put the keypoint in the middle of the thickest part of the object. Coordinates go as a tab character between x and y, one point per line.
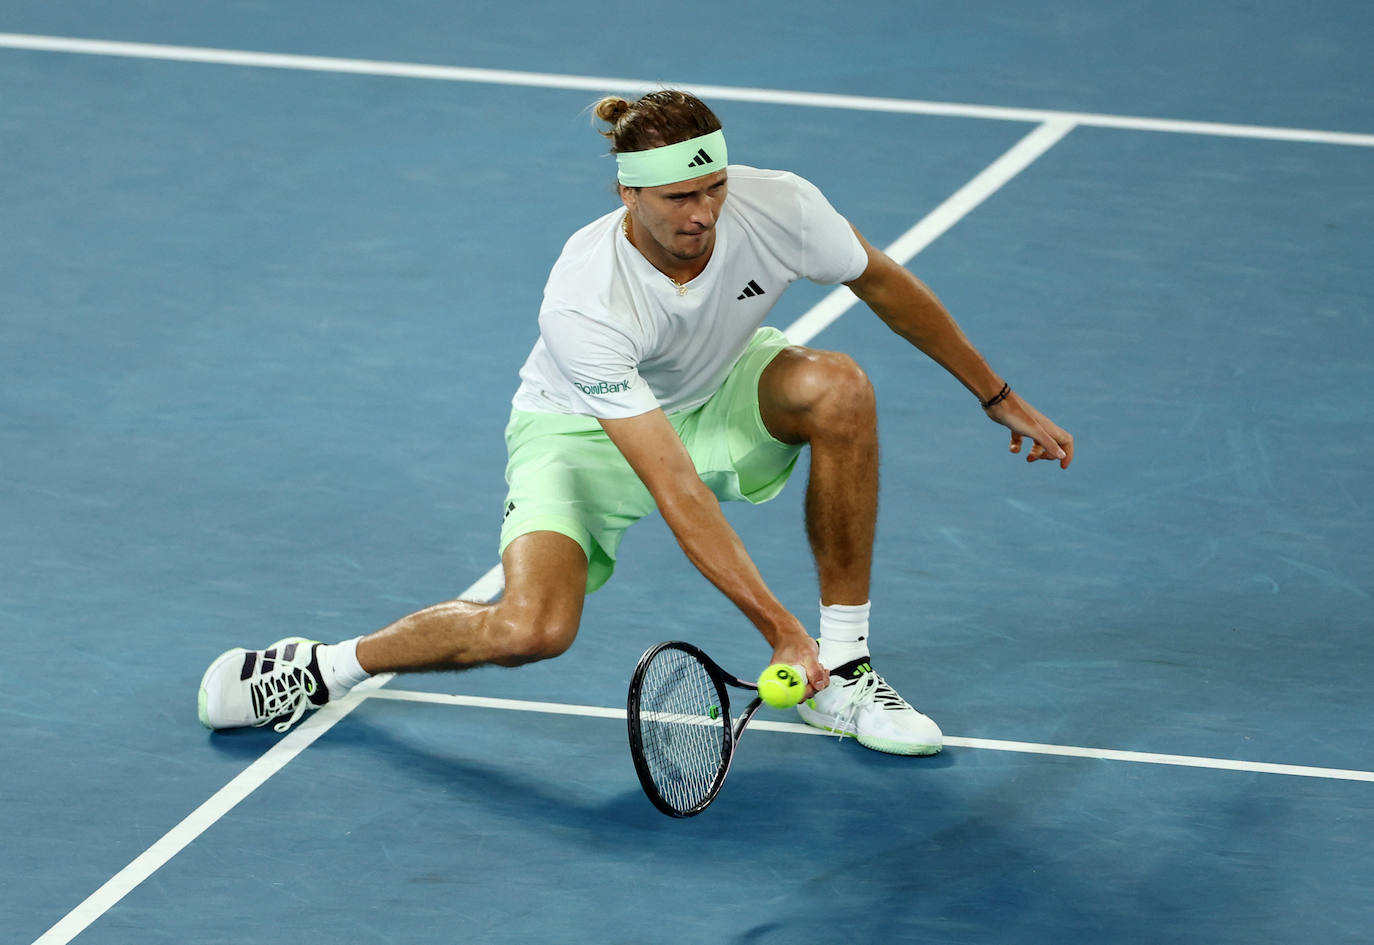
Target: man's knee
805	391
847	387
537	617
525	634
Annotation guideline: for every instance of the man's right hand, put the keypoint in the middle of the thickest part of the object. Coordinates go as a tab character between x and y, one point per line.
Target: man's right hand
798	649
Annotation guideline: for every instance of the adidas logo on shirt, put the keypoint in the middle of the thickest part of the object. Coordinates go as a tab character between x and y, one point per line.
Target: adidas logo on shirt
751	290
701	159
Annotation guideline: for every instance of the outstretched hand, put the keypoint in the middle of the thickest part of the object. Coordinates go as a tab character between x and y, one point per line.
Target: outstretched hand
1048	441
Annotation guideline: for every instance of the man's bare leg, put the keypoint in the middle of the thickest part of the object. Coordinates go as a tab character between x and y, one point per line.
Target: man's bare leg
536	618
825	399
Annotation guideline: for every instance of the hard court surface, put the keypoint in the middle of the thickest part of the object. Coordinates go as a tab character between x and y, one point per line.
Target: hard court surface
267	271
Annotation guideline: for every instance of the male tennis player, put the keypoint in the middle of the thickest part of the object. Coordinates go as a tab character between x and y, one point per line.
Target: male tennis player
652	385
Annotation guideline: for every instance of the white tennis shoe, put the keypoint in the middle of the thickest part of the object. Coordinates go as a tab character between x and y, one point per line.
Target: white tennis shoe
860	704
257	687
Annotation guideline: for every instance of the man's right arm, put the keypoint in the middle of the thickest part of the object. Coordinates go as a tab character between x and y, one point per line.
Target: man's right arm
655	452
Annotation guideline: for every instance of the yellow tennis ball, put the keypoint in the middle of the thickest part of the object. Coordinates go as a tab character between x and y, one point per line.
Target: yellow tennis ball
782	686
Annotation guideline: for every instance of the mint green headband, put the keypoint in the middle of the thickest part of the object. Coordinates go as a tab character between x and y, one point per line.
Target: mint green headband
673	162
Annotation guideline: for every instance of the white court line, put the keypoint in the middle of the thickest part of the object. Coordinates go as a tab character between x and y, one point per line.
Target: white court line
226	798
601	84
936	223
796	728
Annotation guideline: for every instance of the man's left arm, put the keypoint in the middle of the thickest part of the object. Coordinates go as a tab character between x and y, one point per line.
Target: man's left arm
912	311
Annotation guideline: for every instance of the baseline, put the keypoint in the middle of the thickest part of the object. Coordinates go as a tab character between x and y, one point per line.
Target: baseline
231	57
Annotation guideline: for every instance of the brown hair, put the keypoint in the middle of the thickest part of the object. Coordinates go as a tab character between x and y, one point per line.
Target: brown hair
663	117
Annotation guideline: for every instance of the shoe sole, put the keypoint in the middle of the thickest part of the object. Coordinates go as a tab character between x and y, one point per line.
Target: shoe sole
203	697
886	745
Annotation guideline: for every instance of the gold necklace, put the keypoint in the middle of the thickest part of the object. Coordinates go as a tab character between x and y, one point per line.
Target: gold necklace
625	227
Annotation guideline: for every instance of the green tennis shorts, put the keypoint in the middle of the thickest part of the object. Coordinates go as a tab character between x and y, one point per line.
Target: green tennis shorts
566	476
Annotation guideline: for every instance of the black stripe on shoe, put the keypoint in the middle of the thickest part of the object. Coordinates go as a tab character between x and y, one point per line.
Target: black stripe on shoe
321	693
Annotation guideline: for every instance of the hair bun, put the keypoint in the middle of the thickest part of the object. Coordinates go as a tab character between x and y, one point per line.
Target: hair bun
611	109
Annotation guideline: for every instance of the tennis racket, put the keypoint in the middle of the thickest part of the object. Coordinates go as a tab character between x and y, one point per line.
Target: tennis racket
681	737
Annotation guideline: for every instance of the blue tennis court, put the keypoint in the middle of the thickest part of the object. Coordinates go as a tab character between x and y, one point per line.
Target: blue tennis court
267	272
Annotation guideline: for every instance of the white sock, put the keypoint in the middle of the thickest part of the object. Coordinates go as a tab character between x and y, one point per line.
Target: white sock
844	633
339	667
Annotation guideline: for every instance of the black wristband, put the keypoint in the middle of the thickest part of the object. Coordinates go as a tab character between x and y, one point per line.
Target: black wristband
997	398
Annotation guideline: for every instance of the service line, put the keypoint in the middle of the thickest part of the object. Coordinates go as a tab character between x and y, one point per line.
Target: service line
990	744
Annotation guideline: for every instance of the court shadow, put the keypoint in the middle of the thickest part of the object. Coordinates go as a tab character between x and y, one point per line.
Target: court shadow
611	806
753	776
247	744
535	794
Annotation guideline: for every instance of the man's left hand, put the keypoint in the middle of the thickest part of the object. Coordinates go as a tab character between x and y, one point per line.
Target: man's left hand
1048	441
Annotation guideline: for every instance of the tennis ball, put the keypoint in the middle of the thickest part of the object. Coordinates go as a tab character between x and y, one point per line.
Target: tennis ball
782	686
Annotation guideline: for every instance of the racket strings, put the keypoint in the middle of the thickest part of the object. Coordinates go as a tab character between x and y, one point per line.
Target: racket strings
682	728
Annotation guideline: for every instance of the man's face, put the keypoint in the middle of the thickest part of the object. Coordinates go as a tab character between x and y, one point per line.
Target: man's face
679	218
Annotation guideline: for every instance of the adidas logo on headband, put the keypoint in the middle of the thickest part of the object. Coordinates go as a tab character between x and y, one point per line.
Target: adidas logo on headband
672	163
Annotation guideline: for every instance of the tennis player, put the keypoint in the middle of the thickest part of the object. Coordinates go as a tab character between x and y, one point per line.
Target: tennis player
652	385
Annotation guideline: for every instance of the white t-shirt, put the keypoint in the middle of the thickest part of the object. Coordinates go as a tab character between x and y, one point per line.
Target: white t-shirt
617	338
